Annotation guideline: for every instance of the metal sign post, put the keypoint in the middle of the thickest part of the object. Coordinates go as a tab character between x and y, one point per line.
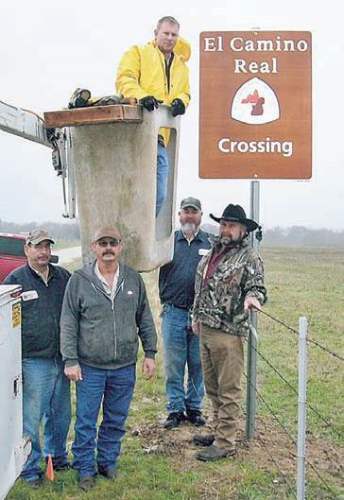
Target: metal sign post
251	397
302	409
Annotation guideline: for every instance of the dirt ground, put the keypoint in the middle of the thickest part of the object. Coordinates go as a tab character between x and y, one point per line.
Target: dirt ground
272	449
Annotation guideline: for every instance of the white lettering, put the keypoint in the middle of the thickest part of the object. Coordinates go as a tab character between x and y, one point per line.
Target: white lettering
242	66
302	45
239	66
213	44
243	147
253	67
238	44
284	148
234	46
221	145
289	46
264	45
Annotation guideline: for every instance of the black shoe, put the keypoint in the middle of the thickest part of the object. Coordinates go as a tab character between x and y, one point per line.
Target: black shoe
203	440
109	473
58	464
195	417
34	483
214	453
174	419
87	483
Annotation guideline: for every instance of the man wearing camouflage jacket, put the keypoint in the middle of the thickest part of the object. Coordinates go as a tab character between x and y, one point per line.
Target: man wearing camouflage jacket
229	282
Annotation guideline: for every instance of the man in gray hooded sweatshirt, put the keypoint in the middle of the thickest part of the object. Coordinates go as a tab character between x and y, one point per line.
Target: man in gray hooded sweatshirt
105	312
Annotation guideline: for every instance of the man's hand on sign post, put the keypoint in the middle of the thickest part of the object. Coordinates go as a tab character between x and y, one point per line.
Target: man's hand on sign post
73	373
148	367
252	303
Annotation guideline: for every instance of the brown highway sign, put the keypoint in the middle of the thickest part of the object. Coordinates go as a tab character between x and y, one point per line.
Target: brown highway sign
255	105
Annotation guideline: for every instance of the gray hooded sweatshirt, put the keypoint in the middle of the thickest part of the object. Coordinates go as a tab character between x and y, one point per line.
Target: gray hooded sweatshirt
103	333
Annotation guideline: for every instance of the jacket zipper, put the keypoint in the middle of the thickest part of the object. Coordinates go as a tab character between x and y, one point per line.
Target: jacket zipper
112	308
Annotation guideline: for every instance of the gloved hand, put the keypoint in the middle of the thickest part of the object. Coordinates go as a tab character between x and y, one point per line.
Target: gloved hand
79	98
107	100
149	102
177	107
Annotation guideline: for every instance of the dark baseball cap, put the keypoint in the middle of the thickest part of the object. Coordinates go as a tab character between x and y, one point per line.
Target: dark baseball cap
37	236
191	202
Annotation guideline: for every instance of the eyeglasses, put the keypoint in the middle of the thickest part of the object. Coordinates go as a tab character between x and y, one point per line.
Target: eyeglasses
114	242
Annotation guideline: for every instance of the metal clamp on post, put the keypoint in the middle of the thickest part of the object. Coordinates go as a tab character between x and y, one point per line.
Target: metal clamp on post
60	141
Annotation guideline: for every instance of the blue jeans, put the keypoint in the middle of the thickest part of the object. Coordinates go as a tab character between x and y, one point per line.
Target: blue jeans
162	177
114	390
181	348
46	400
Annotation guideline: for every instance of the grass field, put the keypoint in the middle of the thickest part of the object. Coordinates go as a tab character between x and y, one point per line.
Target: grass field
157	464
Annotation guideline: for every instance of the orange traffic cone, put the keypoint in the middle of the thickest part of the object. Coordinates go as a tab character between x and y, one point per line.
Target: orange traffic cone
49	473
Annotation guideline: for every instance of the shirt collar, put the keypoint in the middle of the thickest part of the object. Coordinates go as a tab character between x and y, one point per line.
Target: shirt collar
41	275
200	235
103	280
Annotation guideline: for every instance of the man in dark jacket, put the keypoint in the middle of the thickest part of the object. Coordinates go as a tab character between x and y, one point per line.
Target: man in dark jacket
46	395
105	312
181	345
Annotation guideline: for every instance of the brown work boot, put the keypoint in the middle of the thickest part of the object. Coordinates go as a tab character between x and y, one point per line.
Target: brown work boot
203	439
214	453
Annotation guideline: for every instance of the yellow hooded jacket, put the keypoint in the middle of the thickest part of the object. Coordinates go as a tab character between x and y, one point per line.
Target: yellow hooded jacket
141	72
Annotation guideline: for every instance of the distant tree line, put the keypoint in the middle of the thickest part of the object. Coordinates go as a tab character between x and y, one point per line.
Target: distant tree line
277	237
59	230
297	236
303	237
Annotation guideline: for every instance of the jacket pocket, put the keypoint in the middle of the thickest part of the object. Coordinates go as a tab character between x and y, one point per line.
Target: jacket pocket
127	351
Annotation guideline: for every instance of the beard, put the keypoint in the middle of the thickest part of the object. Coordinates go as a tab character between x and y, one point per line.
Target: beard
189	228
228	241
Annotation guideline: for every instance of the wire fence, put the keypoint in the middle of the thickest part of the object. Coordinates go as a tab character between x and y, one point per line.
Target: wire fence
313	409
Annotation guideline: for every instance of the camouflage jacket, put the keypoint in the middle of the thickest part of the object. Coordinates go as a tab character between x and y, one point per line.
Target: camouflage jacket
220	302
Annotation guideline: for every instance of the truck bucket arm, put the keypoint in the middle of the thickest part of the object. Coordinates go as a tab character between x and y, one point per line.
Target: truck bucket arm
23	123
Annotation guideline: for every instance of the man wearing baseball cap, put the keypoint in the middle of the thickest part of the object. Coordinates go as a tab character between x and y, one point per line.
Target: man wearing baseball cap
181	346
46	395
105	313
229	282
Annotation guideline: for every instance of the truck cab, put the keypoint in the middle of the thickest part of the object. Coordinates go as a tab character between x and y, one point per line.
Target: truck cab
12	253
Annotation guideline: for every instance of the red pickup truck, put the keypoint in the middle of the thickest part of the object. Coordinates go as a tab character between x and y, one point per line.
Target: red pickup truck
11	253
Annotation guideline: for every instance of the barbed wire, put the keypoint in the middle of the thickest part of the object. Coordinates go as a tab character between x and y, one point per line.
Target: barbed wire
285	477
272	412
286	431
309	405
334	354
261	311
321	478
309	339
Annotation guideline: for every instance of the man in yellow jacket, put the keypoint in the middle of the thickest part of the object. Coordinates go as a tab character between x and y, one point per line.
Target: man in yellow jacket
157	73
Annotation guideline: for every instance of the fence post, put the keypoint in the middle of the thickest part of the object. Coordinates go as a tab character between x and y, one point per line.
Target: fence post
251	396
302	409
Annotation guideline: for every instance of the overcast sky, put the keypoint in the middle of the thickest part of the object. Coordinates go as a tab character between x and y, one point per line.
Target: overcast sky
49	48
